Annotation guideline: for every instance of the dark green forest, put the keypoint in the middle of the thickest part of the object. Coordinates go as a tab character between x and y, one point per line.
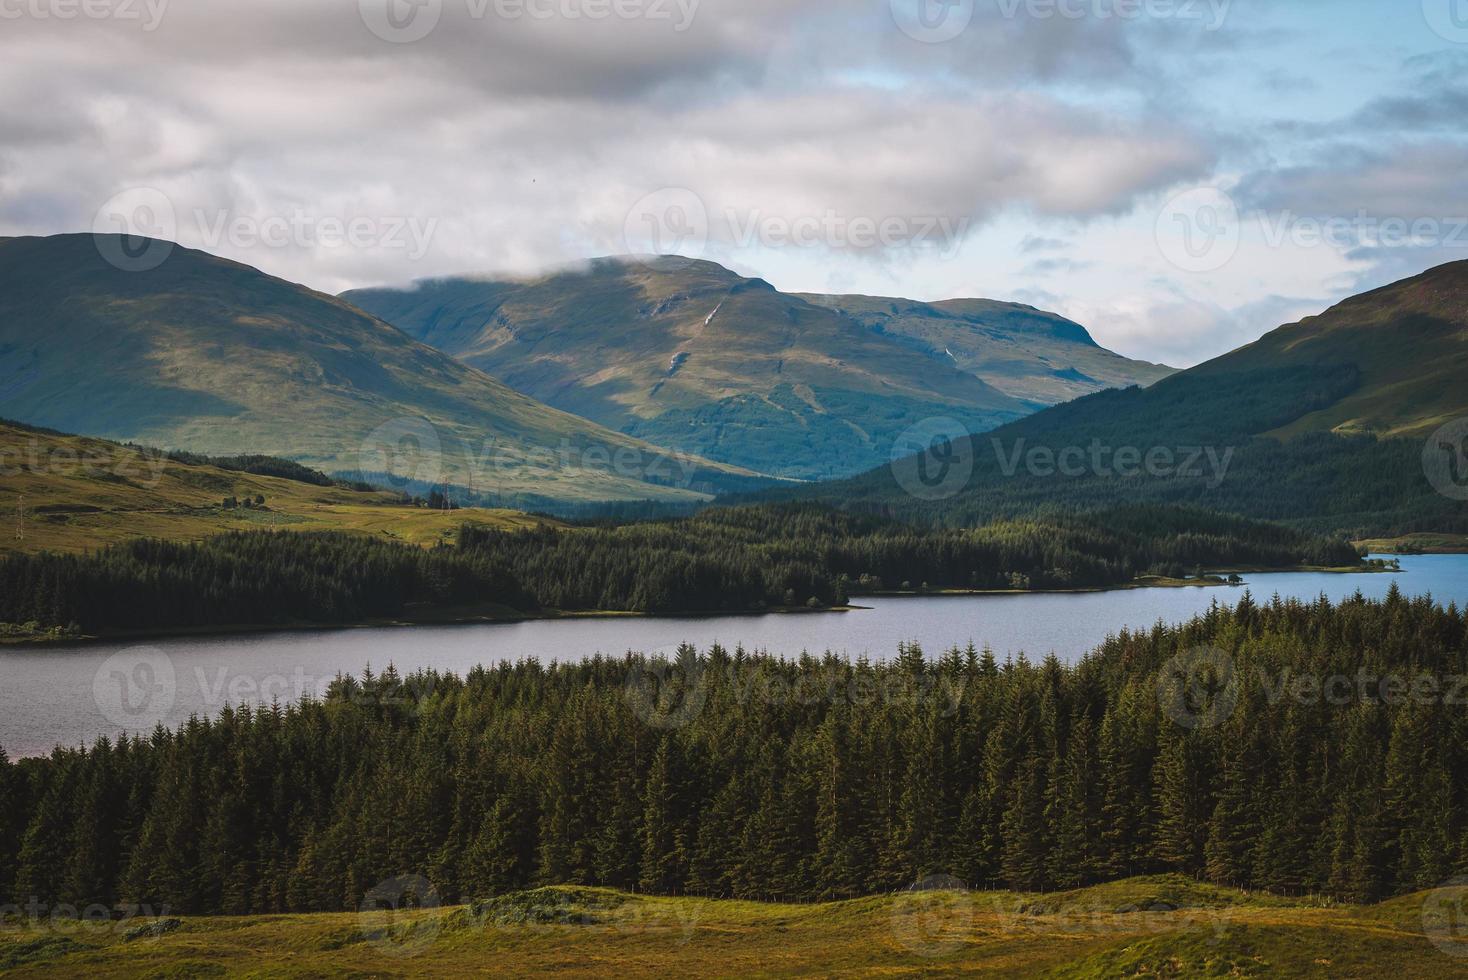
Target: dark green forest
1318	747
722	559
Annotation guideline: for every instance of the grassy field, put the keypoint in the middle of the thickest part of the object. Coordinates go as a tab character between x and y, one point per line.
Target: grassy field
70	493
1154	927
1417	544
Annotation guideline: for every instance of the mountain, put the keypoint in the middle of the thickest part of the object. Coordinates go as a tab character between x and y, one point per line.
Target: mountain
213	356
1335	423
1027	353
689	355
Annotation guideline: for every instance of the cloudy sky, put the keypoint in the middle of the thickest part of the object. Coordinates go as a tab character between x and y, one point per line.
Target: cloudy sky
1178	175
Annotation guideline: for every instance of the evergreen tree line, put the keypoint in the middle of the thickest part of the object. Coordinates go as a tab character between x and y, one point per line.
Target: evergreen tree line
727	774
744	558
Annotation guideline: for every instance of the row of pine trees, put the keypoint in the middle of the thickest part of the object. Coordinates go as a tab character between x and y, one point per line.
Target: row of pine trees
725	774
741	558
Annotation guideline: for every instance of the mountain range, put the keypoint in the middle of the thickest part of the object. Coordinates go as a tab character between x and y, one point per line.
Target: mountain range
691	356
213	356
674	381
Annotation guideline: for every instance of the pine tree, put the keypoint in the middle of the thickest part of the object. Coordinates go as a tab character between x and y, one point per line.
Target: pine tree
664	839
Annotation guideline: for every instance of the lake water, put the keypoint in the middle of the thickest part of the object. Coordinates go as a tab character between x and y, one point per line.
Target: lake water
69	695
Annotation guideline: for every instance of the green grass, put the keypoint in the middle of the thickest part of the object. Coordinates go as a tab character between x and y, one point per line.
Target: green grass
1422	543
1154	927
89	493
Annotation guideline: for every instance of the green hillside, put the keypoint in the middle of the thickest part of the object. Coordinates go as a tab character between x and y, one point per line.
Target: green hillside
1024	352
692	356
1323	423
213	356
1164	926
73	494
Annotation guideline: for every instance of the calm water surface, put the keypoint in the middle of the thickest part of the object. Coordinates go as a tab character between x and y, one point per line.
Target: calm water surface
69	695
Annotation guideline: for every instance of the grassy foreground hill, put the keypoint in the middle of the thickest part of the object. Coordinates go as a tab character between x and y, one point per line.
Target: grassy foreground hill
1164	926
213	356
692	356
66	493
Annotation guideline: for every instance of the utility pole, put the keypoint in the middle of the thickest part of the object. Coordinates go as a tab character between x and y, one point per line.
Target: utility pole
20	517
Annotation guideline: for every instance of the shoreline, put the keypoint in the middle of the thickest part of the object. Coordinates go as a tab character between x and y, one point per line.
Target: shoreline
491	615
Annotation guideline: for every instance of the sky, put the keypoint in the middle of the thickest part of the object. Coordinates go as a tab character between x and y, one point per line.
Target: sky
1180	176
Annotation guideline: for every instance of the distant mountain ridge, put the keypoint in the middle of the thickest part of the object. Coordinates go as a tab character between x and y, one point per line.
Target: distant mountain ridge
1025	352
689	355
209	355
